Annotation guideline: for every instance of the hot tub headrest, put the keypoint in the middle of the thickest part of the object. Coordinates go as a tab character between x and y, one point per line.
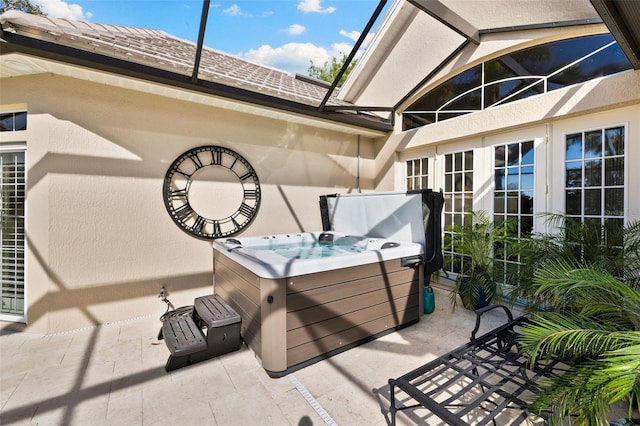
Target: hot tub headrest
325	238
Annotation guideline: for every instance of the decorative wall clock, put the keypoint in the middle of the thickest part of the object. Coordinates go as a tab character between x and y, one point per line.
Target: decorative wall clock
211	192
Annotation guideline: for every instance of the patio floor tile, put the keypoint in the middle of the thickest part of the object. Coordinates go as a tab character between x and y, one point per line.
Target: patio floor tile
114	375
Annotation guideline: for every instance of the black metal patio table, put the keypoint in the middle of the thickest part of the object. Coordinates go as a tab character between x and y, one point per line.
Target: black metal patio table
486	381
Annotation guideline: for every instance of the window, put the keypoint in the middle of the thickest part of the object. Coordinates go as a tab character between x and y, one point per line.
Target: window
518	75
513	193
13	121
458	199
595	178
12	231
417	174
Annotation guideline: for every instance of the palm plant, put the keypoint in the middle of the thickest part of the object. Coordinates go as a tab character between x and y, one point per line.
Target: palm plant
477	240
607	248
594	321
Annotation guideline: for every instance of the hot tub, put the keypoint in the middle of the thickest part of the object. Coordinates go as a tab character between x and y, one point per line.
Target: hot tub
303	297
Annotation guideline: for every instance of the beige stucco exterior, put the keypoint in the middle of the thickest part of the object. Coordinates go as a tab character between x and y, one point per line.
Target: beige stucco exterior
545	119
100	242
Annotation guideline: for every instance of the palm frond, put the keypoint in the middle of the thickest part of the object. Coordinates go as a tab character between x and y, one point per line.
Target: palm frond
576	288
588	299
572	336
589	388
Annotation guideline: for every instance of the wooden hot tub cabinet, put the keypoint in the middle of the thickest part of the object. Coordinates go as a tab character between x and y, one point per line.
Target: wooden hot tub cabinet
293	321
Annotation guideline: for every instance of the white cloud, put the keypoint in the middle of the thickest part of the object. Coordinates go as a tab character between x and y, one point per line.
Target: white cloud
353	35
313	6
339	49
62	9
295	29
291	57
233	10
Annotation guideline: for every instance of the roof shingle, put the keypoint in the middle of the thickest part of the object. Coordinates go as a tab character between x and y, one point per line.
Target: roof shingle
158	49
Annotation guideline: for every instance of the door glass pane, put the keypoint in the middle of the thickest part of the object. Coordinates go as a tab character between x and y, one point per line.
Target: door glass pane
614	141
468	160
498	202
527	153
468	181
500	153
614	171
513	178
512	202
448	163
574	202
513	154
574	147
500	180
458	162
526	178
448	186
614	202
593	173
574	174
457	184
526	202
592	202
593	144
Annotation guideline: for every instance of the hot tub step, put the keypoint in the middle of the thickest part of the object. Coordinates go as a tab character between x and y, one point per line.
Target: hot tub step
182	335
189	344
214	311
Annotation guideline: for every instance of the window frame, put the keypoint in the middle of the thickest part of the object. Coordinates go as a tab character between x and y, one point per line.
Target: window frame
20	147
625	186
462	214
423	177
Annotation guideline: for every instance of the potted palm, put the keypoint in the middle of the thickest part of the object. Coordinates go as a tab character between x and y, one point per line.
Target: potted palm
478	240
584	298
594	322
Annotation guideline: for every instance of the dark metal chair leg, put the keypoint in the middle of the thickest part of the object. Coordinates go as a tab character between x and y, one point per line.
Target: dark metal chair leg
392	397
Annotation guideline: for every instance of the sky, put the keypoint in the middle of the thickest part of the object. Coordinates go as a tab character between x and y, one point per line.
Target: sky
285	34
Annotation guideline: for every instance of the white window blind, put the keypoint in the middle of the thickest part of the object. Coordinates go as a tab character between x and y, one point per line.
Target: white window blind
12	231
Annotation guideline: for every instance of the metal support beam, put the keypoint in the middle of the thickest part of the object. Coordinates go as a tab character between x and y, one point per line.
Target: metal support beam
203	26
449	18
623	21
355	49
431	74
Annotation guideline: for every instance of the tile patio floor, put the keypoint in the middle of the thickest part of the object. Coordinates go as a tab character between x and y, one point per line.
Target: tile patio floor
114	375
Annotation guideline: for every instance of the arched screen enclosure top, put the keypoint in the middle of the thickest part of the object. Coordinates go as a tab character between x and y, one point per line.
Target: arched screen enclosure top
518	75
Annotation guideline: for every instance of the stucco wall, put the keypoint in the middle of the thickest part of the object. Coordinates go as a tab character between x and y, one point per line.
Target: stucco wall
549	142
100	242
590	99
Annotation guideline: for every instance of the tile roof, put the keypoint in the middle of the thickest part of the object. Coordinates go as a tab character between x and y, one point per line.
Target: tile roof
161	50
